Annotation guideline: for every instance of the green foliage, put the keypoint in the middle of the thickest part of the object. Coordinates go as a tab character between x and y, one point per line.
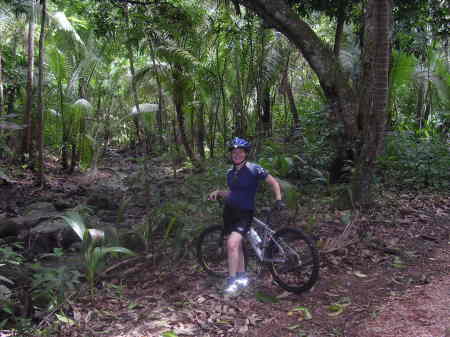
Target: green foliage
414	161
145	232
51	285
175	222
9	257
273	160
265	298
8	127
402	71
94	247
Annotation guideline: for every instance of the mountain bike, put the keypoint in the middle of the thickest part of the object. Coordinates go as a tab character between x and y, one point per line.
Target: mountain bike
289	253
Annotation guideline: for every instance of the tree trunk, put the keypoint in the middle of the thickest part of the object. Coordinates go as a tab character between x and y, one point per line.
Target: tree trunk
179	108
201	131
74	156
133	80
2	97
287	89
237	98
339	29
213	126
27	137
420	106
65	130
12	90
159	113
374	95
40	105
266	116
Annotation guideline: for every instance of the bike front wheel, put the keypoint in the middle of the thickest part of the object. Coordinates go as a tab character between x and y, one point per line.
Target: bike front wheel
293	260
212	251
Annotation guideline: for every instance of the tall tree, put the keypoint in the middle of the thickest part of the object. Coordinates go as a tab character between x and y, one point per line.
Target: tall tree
373	96
348	100
40	103
2	97
287	90
28	116
129	47
161	102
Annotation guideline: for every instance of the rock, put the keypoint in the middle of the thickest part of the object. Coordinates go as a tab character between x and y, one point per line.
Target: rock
11	226
40	208
5	293
33	215
63	204
104	199
50	233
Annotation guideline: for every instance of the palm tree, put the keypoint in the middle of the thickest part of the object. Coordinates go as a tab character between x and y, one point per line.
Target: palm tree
40	106
132	71
11	27
27	118
69	62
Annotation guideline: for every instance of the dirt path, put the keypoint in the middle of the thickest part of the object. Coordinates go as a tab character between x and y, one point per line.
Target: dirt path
186	303
421	311
362	292
380	296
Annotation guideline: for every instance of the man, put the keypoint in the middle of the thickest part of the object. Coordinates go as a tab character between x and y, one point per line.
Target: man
243	180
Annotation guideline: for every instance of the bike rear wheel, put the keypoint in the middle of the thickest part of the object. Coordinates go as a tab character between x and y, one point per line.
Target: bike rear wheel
293	260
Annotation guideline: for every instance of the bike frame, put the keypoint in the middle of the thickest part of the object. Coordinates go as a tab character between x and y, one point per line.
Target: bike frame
267	237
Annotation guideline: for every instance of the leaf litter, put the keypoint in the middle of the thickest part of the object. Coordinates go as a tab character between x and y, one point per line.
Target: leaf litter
179	300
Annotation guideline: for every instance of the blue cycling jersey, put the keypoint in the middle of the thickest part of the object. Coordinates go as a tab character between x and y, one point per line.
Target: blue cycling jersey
243	185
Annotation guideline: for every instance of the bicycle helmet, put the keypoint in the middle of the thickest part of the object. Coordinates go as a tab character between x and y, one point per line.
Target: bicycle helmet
239	143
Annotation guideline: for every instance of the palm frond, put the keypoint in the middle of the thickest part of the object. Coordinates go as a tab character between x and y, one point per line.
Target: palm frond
83	104
273	64
61	21
76	222
144	108
176	55
402	70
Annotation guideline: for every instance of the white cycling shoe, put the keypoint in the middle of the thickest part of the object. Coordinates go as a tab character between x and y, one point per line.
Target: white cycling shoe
234	285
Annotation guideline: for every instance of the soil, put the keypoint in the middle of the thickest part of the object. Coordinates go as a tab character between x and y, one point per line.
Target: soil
390	277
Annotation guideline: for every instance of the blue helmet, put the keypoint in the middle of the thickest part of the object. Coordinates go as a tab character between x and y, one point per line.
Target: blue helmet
239	143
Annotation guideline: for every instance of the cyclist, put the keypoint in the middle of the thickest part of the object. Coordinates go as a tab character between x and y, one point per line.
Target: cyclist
242	181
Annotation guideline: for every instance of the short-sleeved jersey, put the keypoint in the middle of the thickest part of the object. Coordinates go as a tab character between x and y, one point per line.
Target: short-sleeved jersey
243	185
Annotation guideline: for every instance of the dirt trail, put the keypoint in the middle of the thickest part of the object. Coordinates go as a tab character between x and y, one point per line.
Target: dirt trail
381	294
403	292
421	311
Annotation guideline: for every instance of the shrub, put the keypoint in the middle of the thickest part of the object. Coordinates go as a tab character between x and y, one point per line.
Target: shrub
413	161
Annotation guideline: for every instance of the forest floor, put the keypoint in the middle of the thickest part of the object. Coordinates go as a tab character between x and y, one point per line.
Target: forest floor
393	281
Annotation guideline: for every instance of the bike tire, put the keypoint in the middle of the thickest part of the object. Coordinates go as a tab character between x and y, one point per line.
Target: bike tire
295	267
212	252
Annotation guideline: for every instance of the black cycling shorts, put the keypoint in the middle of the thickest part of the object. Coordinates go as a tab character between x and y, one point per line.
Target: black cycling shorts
236	220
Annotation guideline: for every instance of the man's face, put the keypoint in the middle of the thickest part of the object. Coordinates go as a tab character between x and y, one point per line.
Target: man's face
238	155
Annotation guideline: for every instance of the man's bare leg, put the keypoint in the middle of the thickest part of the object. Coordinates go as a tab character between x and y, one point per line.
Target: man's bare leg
235	254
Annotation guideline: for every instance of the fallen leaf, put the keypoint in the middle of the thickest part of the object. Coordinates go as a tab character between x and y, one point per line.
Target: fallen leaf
169	334
359	274
264	298
335	309
303	312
